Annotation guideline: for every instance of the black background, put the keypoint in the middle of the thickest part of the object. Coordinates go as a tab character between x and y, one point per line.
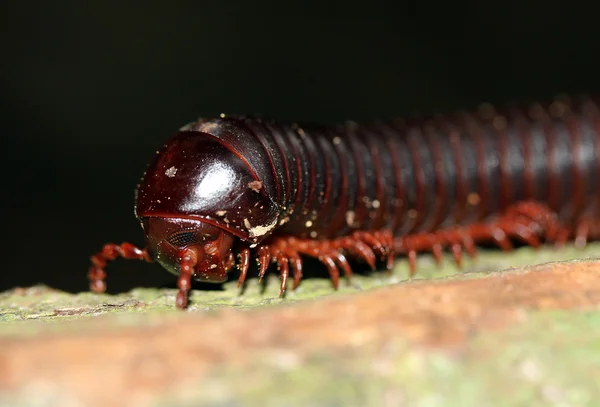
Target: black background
89	90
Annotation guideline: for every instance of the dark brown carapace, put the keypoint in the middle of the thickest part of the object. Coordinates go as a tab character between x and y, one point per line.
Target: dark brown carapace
227	189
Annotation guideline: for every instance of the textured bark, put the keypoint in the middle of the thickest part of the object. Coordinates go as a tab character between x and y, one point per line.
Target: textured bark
139	356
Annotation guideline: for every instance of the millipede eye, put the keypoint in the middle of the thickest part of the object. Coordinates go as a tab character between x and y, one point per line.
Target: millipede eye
184	238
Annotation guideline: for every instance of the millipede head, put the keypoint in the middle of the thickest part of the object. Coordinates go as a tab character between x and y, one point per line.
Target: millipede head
201	176
170	240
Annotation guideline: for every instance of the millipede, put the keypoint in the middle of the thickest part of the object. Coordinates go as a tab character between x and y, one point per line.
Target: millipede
228	190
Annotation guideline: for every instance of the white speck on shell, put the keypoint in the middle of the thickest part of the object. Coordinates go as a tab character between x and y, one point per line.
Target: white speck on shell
350	218
255	186
261	230
187	126
170	172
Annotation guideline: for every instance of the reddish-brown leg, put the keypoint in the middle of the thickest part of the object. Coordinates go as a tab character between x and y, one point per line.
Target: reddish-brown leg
264	258
526	221
110	252
341	262
380	242
410	245
184	281
296	264
358	249
391	255
581	234
590	229
542	217
243	265
284	273
457	240
586	228
456	250
286	251
529	222
372	240
334	273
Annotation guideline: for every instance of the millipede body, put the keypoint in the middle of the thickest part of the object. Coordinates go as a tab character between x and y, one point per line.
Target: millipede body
223	191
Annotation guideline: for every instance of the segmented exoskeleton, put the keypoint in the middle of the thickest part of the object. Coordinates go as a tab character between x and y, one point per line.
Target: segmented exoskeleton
248	186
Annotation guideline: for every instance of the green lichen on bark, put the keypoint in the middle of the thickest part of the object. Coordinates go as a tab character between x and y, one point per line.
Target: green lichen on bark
552	360
538	353
44	304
